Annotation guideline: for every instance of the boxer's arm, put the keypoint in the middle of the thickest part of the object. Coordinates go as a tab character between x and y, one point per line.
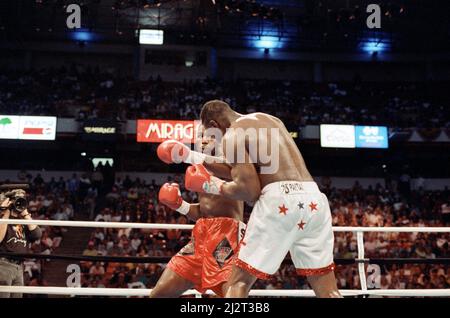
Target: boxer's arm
170	195
219	168
173	151
194	212
245	185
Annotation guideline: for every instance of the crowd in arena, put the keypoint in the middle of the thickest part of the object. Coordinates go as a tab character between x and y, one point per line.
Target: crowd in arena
136	201
84	92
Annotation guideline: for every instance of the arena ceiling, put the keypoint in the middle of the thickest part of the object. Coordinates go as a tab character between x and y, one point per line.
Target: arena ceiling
289	24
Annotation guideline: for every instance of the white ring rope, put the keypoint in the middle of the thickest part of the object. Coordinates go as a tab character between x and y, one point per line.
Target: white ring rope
131	292
164	226
109	225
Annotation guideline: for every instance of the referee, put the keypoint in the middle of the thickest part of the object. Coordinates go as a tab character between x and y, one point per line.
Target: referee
14	239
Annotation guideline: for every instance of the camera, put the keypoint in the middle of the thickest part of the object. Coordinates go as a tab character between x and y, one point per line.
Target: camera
16	194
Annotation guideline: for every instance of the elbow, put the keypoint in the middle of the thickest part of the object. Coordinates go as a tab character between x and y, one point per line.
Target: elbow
241	191
251	192
253	196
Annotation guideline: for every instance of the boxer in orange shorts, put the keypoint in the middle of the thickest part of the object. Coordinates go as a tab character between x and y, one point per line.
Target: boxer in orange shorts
206	261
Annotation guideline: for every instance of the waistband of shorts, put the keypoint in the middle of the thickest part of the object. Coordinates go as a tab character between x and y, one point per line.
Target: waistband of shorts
291	187
218	219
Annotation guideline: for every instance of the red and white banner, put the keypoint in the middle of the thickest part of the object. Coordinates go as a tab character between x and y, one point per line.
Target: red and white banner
153	130
28	127
37	128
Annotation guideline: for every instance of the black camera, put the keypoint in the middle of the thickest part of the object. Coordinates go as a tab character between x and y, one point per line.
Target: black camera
16	194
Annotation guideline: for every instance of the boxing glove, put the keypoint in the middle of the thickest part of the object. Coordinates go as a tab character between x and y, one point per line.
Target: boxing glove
173	151
199	179
170	195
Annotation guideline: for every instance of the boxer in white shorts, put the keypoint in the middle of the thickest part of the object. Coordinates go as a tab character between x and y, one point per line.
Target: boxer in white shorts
289	215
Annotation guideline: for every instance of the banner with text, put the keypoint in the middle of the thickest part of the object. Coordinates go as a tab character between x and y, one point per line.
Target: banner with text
155	130
350	136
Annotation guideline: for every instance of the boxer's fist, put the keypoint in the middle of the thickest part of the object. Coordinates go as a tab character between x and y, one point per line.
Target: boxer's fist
173	151
198	179
170	195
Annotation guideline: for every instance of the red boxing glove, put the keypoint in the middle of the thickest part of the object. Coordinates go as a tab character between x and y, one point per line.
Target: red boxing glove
173	151
170	195
199	179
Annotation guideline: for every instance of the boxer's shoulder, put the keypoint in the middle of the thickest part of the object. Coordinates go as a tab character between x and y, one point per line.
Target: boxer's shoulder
245	119
256	120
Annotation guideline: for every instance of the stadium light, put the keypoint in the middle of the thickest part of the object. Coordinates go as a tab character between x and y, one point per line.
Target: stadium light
373	46
266	42
150	36
81	35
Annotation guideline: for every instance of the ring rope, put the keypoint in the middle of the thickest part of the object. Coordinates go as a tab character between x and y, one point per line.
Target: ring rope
165	259
130	292
163	226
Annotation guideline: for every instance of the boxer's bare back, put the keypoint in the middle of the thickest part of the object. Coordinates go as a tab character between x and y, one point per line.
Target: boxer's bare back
291	165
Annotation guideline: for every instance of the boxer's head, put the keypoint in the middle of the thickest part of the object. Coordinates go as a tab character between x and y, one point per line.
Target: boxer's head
217	114
205	141
201	140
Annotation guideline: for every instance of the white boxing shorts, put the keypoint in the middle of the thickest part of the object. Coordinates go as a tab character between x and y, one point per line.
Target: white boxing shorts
289	216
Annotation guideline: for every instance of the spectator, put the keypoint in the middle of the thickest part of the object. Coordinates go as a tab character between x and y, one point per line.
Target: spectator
90	251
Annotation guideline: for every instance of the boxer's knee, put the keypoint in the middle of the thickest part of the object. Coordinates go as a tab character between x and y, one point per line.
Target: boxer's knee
324	286
239	283
160	294
170	285
335	294
237	289
163	290
167	291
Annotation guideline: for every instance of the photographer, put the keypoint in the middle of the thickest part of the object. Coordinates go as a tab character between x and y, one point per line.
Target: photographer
14	238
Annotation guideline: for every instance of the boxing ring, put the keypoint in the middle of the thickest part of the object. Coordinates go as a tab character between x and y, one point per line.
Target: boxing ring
130	292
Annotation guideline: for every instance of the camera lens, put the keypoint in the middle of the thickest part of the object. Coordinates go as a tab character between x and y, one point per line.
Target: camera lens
20	204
